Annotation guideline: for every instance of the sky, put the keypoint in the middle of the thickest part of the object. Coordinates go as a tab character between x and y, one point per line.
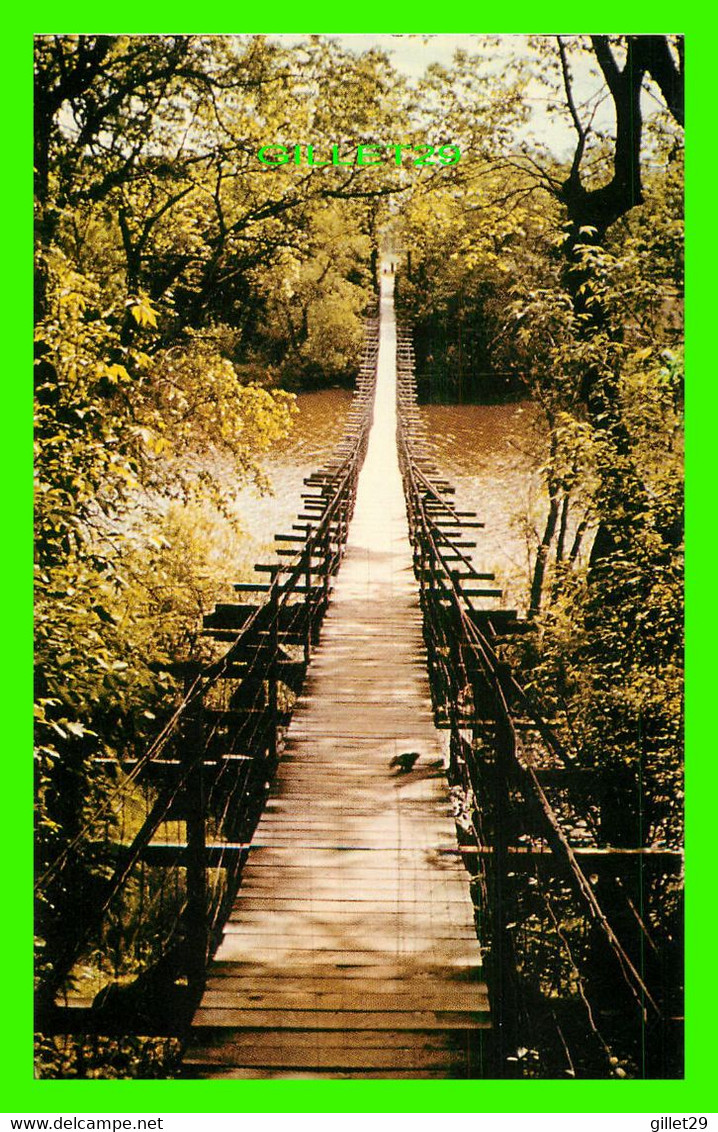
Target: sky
411	54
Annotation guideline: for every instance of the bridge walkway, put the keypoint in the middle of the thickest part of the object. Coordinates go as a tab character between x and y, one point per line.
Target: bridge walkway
351	949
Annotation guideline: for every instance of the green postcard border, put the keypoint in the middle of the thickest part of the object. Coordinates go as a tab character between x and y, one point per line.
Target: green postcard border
20	1092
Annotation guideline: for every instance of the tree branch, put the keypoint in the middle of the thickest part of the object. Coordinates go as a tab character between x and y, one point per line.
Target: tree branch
582	134
654	53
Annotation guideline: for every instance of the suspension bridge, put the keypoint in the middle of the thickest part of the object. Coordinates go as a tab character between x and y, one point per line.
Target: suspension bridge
361	816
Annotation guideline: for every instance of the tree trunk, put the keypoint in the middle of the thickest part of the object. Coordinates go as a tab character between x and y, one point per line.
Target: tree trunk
543	552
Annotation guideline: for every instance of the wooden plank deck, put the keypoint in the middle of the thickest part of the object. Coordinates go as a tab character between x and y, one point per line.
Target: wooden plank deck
351	950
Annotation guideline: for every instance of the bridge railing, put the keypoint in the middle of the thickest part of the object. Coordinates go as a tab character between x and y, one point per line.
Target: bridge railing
169	839
577	984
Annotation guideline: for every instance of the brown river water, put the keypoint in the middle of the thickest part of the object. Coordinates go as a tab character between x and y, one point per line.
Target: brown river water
490	453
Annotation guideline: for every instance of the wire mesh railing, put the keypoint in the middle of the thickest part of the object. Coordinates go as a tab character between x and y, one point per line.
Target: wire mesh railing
580	985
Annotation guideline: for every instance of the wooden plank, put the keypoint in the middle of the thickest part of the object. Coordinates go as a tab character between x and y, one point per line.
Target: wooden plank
253	899
344	915
410	891
363	891
384	968
230	997
350	1056
428	983
339	1039
239	1018
311	934
232	1073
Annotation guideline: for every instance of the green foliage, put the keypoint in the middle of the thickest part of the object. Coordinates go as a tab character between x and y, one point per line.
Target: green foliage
610	655
147	177
98	699
106	1059
509	297
314	301
467	249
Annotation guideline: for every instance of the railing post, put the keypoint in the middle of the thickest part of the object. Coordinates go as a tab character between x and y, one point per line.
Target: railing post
341	525
308	627
196	934
505	1005
273	681
422	560
327	551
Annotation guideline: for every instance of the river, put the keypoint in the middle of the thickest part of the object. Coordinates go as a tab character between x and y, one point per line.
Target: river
491	454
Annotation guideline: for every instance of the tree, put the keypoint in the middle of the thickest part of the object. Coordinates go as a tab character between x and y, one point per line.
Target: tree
600	206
